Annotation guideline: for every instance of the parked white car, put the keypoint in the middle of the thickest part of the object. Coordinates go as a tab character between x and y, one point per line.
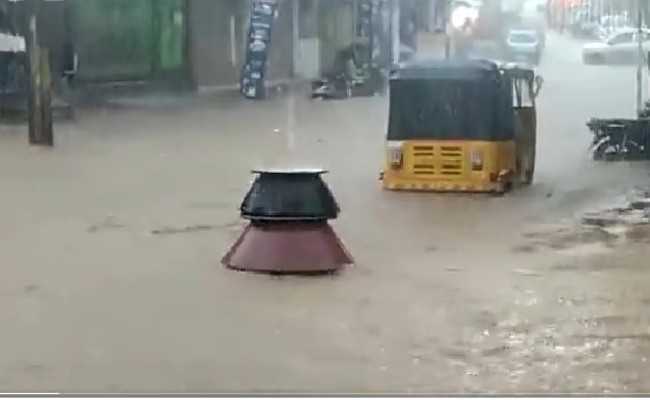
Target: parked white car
11	44
614	23
618	48
524	45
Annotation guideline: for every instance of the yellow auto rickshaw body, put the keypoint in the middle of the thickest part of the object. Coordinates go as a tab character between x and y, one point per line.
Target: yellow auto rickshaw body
463	126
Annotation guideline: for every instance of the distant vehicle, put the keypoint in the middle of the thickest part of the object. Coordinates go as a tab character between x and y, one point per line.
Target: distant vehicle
578	17
614	23
591	30
524	45
618	48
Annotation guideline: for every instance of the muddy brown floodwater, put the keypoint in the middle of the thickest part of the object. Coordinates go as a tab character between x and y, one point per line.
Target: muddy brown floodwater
110	247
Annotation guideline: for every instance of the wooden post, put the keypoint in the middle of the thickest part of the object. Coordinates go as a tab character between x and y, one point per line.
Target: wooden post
39	102
46	137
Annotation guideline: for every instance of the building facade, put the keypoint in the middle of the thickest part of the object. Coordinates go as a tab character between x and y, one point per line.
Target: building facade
201	43
217	34
126	40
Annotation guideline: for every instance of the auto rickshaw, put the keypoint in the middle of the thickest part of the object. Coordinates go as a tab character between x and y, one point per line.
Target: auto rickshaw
461	126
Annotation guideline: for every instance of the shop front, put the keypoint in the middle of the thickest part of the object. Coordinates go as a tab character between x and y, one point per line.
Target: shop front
127	40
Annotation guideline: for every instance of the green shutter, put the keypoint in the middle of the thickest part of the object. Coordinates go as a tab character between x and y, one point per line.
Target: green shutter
171	22
113	38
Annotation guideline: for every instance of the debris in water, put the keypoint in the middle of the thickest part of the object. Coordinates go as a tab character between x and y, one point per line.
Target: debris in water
29	289
526	272
525	248
642	204
599	219
565	267
186	229
108	223
431	249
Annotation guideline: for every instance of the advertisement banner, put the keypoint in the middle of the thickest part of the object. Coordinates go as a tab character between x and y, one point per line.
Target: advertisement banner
262	15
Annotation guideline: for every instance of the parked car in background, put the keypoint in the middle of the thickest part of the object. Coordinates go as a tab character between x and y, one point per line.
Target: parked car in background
578	17
589	30
614	23
618	48
524	45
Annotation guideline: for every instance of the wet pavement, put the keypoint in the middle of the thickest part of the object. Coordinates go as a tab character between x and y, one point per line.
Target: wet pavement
110	249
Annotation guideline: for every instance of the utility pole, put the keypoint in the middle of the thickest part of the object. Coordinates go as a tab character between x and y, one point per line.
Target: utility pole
395	31
39	97
448	6
641	57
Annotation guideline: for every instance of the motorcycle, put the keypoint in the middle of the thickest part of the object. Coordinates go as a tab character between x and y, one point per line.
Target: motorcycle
336	88
340	87
618	139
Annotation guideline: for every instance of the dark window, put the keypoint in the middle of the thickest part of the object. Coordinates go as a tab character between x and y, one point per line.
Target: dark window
448	110
523	38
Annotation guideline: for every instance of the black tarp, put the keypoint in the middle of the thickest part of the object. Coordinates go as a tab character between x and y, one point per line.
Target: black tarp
290	197
450	109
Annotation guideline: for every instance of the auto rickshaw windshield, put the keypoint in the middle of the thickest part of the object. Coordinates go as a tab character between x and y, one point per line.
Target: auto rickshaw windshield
449	109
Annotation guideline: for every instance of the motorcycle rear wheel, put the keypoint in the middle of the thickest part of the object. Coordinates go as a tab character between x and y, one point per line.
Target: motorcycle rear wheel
599	152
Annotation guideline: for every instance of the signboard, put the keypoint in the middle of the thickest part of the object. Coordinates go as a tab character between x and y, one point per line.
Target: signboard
262	16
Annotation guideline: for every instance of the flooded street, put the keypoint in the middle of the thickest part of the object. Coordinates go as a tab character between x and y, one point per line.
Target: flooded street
105	288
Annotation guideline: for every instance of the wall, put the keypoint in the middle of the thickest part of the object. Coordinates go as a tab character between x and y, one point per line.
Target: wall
281	61
217	41
336	28
307	46
211	41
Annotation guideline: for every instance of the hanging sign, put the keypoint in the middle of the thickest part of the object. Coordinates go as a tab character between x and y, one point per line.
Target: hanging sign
262	16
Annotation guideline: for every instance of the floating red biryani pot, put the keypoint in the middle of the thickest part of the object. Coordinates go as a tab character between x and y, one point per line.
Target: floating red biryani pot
289	233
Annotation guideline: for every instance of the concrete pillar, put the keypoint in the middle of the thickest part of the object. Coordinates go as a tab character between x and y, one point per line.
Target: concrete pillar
395	30
295	23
